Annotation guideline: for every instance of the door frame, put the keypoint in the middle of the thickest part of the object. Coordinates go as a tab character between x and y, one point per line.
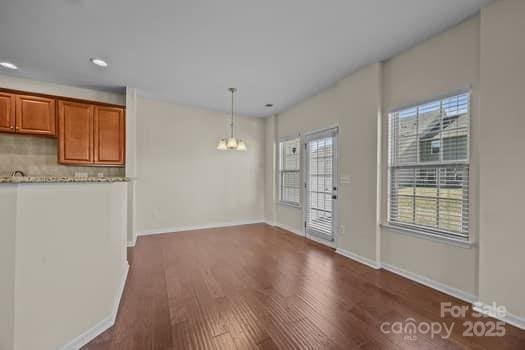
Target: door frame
335	182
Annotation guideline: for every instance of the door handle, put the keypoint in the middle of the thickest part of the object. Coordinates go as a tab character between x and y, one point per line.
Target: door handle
334	196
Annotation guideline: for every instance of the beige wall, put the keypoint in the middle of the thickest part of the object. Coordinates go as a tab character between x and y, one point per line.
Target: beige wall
484	55
70	258
22	84
441	66
131	161
352	104
183	181
8	202
502	146
270	168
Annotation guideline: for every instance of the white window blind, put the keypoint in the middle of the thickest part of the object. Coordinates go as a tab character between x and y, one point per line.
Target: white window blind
429	167
289	172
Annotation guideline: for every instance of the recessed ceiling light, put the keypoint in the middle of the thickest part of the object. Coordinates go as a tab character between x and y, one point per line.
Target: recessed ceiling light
269	105
8	65
99	62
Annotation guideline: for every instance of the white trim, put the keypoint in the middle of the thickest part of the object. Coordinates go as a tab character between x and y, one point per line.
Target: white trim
133	243
271	223
428	236
319	240
289	204
102	325
379	163
303	234
116	302
89	335
196	227
361	259
290	229
310	136
321	130
509	318
453	93
444	288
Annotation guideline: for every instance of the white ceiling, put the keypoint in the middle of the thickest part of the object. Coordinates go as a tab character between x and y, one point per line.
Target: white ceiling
191	51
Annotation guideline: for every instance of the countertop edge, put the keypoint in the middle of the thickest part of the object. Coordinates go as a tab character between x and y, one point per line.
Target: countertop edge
60	179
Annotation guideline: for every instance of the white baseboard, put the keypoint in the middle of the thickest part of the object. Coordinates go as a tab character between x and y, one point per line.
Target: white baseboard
133	243
457	293
509	318
197	227
102	325
122	286
287	228
302	234
329	244
361	259
444	288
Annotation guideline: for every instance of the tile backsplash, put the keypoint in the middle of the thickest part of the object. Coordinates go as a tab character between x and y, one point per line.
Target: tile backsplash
35	155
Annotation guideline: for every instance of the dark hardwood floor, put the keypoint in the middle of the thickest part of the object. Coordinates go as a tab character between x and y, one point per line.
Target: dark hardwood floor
259	287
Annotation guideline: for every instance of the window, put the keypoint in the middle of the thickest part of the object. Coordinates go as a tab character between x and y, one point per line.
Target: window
289	172
429	167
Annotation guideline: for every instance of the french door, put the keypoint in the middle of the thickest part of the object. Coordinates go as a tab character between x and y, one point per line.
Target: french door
321	185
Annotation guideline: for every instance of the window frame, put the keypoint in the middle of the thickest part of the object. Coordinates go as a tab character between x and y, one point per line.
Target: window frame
281	171
418	229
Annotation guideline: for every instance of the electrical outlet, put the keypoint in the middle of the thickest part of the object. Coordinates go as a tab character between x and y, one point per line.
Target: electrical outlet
341	230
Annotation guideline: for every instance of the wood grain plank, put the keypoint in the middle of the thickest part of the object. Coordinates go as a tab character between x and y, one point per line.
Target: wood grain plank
260	287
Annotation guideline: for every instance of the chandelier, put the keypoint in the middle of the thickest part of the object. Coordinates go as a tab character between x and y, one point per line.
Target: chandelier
231	143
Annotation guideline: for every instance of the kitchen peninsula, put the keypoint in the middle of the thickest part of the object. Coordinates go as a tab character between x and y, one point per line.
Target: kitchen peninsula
63	217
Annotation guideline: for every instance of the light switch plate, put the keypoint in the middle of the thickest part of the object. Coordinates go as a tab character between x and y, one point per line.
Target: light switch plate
345	179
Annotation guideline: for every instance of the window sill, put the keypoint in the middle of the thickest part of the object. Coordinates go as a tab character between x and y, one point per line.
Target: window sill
288	204
429	236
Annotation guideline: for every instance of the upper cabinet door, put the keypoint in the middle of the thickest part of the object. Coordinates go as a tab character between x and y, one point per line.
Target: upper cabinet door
75	125
35	115
7	112
109	131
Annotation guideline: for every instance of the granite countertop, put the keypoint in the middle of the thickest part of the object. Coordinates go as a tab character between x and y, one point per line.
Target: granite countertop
58	179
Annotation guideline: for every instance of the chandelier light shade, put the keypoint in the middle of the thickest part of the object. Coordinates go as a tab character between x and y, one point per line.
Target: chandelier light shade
231	143
222	145
241	146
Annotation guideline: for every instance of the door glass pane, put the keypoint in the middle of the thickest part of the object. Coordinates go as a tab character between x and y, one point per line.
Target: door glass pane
319	211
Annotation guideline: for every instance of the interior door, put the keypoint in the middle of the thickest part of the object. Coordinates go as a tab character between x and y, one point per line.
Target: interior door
321	185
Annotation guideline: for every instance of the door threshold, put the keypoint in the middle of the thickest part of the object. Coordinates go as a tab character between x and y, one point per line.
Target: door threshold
329	244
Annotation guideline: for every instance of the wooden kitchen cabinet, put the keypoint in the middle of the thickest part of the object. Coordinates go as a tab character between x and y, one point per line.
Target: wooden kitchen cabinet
7	112
35	115
90	134
109	133
75	121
